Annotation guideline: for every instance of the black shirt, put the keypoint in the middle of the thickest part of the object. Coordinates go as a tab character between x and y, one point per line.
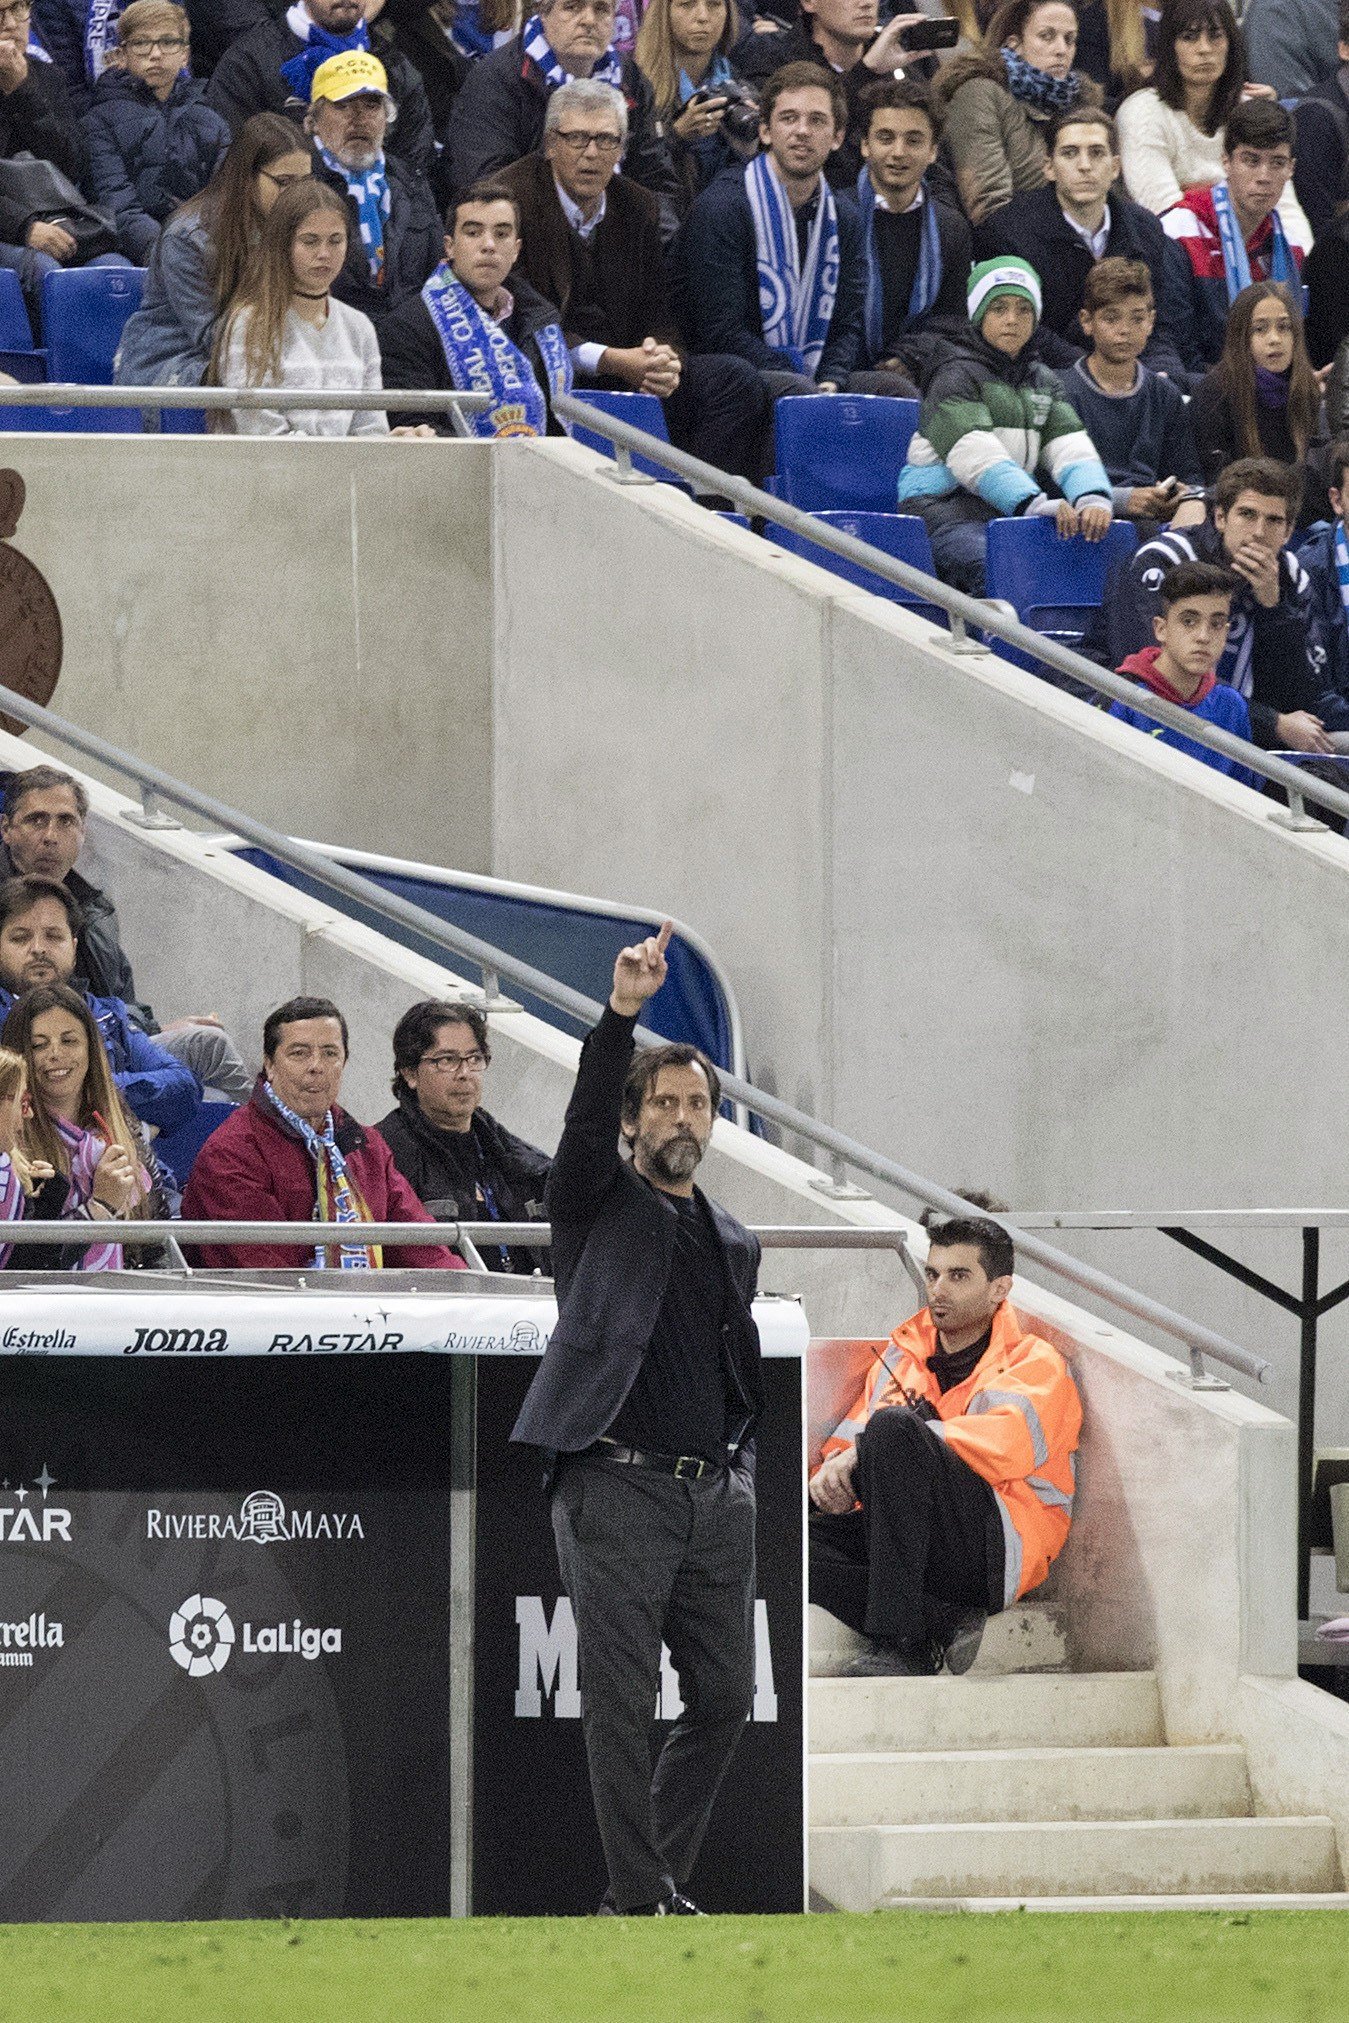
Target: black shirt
952	1369
898	238
678	1405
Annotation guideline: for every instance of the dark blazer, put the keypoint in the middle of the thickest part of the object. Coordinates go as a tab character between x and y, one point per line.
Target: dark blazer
624	296
613	1242
414	240
1034	228
248	79
498	118
413	357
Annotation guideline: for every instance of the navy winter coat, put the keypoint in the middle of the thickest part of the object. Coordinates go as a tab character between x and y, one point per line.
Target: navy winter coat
145	159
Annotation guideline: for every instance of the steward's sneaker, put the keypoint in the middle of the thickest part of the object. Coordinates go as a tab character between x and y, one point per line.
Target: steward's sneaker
679	1906
895	1661
963	1647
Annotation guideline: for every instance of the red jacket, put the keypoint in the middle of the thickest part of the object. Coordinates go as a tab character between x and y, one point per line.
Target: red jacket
256	1169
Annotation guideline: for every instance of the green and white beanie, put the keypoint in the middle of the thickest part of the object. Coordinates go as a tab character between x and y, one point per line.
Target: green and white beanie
994	278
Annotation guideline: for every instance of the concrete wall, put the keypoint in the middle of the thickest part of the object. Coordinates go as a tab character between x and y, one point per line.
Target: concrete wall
969	919
242	612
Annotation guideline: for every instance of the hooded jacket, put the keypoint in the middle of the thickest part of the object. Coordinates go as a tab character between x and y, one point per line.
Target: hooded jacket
993	434
1016	1421
1213	700
256	1168
456	1169
145	159
994	143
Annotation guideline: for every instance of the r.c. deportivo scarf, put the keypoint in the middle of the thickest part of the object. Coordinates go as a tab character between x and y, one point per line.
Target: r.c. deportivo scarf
1236	258
926	281
1342	564
319	45
537	47
796	303
100	35
339	1198
1036	88
482	359
369	189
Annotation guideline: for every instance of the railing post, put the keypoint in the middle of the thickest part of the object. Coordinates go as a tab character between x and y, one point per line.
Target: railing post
625	474
151	815
1198	1377
1295	816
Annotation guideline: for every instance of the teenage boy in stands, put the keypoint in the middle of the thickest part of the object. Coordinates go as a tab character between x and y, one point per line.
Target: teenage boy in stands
1275	657
1078	219
1232	233
468	330
996	439
774	231
947	1491
1191	632
918	249
1138	421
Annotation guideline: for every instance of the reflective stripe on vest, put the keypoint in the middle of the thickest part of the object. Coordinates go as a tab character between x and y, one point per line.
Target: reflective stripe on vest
989	1401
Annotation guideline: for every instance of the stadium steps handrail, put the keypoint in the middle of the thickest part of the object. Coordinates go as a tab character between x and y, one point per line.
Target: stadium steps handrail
985	614
495	963
70	394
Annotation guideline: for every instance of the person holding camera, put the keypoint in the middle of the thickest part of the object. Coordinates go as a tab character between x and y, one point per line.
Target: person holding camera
645	1404
710	116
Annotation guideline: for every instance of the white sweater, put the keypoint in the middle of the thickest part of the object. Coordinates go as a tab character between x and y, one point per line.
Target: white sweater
1164	155
343	353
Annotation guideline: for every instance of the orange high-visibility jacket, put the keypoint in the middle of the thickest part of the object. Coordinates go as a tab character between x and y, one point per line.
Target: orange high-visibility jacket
1015	1420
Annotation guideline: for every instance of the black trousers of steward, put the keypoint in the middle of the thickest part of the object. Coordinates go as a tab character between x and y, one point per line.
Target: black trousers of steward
925	1547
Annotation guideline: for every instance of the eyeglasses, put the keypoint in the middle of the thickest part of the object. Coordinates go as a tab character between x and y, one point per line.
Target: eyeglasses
604	144
146	45
450	1064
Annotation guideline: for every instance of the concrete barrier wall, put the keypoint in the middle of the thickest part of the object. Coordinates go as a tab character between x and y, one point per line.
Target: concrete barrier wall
244	613
969	919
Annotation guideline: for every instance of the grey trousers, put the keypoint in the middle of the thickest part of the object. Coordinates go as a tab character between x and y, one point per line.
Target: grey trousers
213	1058
646	1557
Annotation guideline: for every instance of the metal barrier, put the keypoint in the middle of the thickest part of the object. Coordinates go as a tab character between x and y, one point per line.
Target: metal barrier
985	615
153	399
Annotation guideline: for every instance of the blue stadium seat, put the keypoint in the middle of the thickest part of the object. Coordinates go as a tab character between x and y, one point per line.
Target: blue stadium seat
83	311
178	1149
842	451
638	410
16	333
1054	585
901	535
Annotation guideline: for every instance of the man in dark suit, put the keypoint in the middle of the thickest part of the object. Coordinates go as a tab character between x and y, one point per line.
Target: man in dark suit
646	1401
591	244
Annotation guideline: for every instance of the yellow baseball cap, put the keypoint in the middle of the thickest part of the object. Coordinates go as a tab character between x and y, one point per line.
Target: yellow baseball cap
347	75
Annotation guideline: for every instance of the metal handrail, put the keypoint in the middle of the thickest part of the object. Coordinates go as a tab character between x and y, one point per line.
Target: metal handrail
495	963
57	393
986	615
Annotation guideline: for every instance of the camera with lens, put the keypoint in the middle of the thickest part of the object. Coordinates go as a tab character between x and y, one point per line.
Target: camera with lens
741	123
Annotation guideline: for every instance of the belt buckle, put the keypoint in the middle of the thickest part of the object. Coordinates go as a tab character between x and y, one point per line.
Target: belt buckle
689	1465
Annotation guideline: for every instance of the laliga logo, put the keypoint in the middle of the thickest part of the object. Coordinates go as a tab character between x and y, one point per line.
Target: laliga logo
201	1636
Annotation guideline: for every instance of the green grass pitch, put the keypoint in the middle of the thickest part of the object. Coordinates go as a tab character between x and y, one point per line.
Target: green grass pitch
1233	1967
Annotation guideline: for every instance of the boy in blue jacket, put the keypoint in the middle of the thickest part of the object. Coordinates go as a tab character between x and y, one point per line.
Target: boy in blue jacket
1191	632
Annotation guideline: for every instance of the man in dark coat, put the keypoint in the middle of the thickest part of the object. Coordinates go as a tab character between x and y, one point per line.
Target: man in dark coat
248	77
592	246
498	117
461	1164
646	1401
1078	218
840	38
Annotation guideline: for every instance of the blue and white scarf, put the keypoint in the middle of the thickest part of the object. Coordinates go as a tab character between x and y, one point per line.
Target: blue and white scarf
926	281
1342	564
482	359
1236	259
100	35
369	190
796	304
338	1197
539	50
1036	88
298	70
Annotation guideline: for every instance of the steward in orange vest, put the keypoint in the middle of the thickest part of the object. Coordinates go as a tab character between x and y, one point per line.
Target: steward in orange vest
947	1491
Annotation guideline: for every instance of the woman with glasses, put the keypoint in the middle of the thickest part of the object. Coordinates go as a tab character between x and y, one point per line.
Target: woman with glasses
200	256
457	1159
153	141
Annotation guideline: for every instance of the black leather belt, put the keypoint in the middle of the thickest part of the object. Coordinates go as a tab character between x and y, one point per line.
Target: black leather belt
683	1466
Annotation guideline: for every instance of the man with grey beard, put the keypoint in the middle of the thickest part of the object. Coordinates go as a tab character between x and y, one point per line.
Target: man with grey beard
645	1405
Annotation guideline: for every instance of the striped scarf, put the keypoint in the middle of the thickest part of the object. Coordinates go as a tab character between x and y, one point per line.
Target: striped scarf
339	1198
1342	563
86	1148
927	278
369	191
539	50
796	302
1236	256
11	1201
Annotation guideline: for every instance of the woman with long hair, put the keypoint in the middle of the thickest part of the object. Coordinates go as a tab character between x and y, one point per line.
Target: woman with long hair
78	1125
1000	97
284	329
1262	398
682	50
1116	40
1171	132
202	253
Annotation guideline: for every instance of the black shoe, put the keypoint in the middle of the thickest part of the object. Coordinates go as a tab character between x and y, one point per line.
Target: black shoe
962	1647
895	1661
673	1906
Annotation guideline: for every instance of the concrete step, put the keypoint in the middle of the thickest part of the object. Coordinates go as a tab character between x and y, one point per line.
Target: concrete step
968	1786
1272	1900
866	1867
1100	1710
1028	1637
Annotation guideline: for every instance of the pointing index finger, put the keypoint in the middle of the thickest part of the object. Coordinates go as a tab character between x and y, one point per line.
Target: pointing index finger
663	938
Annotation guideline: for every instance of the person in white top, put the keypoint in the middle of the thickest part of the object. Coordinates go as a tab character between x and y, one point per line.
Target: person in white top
1171	132
284	329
